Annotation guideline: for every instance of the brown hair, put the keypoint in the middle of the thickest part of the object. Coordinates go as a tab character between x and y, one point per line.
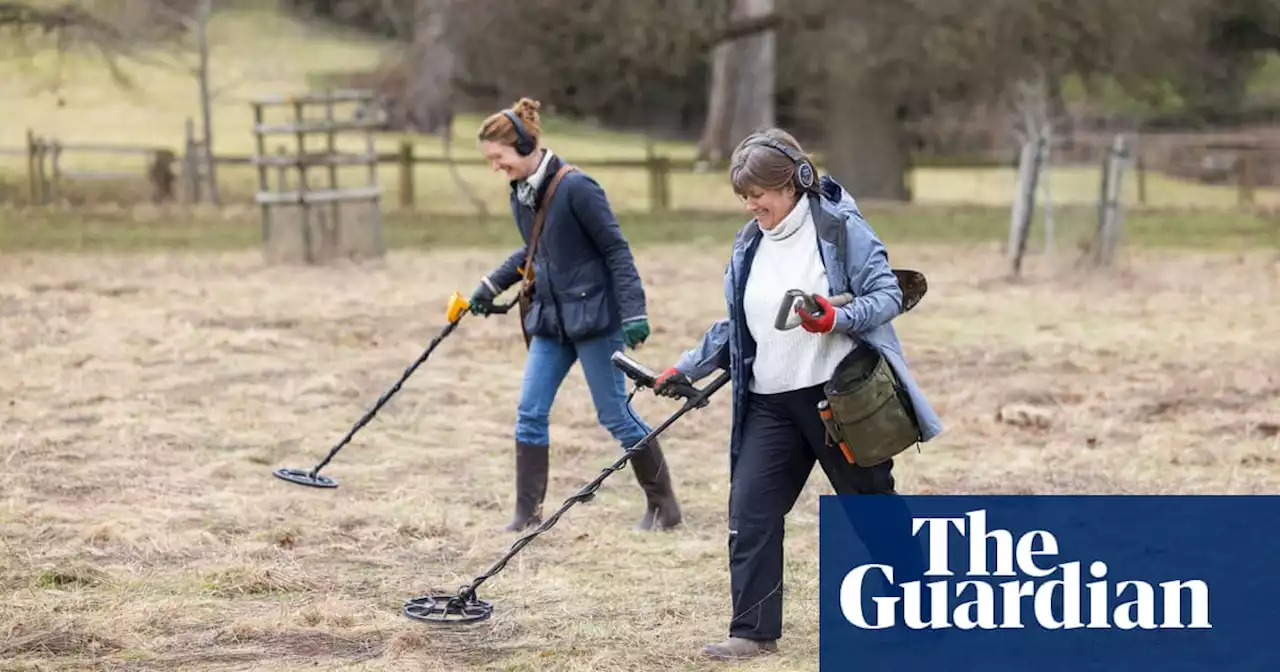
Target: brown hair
498	128
762	166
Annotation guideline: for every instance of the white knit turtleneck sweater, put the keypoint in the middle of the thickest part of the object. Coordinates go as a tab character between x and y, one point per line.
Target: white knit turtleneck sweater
788	258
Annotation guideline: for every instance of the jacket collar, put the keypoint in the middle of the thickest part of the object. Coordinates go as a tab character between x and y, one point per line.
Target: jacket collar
549	166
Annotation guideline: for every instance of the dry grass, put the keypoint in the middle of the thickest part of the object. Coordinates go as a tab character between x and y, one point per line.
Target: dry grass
148	398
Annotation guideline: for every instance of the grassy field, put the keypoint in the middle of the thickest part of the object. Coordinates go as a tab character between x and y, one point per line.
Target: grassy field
154	371
149	396
150	229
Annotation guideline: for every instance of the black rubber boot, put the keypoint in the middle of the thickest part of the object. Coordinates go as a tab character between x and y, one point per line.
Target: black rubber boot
531	486
662	511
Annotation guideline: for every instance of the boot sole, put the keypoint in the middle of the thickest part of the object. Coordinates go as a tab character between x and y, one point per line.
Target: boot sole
736	656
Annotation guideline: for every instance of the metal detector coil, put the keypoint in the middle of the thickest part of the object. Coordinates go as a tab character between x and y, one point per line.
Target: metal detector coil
465	607
305	477
448	608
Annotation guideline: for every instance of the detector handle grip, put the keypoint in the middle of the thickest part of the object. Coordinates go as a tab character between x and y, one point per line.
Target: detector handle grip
645	377
458	306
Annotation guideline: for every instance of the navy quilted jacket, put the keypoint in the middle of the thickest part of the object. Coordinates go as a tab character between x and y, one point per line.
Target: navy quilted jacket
585	277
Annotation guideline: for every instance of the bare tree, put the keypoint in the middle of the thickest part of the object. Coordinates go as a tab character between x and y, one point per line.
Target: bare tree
866	72
73	26
431	84
885	64
203	15
431	94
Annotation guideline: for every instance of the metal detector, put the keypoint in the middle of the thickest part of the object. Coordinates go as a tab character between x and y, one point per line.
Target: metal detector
457	308
465	606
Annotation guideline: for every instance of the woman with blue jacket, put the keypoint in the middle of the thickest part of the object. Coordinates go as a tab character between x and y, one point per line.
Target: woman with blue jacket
807	234
586	302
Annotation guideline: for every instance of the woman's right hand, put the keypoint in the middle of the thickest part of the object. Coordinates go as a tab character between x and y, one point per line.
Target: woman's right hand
482	300
671	383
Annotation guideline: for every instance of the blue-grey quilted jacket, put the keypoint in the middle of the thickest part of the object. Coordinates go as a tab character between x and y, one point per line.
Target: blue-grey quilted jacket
855	261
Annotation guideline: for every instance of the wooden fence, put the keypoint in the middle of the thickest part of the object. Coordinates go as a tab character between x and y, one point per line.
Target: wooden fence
406	159
308	222
162	168
46	172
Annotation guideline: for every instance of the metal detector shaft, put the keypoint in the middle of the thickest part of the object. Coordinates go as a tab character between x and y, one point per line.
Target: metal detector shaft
467	593
386	396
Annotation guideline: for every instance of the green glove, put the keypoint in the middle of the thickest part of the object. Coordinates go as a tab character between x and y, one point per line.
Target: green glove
634	332
482	299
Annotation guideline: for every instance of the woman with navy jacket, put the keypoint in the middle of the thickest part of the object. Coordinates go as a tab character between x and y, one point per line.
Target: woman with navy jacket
586	303
807	234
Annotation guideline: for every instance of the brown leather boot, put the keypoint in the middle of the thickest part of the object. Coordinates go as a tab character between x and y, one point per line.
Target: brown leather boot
531	486
662	511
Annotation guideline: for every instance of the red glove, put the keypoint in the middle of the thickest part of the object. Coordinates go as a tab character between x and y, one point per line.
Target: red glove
669	383
821	324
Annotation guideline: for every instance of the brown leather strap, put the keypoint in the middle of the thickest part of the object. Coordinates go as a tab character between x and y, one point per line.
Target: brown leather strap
525	298
538	218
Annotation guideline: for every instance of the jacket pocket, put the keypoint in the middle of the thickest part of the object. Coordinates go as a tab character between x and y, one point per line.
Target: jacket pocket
584	310
539	320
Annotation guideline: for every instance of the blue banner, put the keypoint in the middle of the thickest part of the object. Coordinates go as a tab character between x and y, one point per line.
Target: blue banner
1049	583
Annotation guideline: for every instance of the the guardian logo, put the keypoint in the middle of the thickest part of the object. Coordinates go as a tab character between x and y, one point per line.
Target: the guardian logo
1054	594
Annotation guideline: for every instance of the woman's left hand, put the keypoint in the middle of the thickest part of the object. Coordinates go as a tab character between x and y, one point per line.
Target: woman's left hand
634	332
821	324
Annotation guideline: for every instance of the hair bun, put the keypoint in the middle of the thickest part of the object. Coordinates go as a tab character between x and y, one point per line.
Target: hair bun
526	109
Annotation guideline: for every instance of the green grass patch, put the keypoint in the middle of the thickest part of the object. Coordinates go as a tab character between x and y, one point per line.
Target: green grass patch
127	231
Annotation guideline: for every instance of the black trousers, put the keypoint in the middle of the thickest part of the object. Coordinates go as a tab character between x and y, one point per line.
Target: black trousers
783	437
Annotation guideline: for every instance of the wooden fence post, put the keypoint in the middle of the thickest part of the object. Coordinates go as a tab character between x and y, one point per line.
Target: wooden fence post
55	170
190	165
406	174
282	169
1110	206
160	175
1244	180
1045	177
42	150
1140	167
1024	205
33	179
659	168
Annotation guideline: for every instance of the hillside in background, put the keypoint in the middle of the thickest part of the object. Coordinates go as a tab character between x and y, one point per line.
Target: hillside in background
253	53
265	52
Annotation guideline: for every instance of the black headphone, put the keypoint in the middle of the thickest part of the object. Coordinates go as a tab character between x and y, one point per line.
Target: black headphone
806	176
524	143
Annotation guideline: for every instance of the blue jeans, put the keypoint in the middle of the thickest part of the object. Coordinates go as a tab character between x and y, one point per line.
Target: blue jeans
549	362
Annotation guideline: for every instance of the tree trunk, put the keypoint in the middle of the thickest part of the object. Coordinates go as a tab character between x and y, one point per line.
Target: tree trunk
430	85
206	104
754	72
866	149
715	130
740	98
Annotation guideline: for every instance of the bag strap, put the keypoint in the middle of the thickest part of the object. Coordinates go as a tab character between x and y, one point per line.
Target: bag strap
538	218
